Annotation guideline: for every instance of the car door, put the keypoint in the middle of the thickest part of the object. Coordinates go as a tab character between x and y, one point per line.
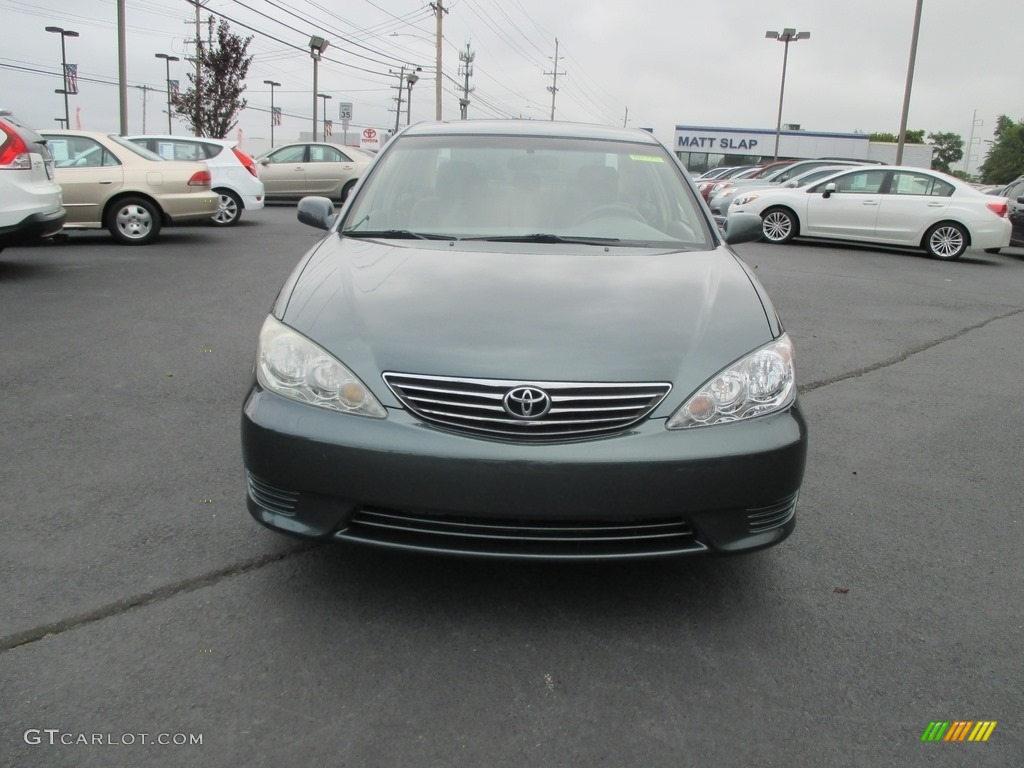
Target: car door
283	172
913	202
89	174
1015	194
850	212
328	170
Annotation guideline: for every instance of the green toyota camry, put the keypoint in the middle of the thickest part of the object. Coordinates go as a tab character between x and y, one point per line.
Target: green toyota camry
525	339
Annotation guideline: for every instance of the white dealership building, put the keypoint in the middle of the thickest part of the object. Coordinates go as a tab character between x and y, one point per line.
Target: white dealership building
704	147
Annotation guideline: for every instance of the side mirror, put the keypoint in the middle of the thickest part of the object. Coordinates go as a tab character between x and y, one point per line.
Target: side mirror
741	228
316	212
829	189
265	161
1020	200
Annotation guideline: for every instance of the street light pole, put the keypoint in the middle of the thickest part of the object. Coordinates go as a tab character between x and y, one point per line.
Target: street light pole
64	69
317	46
910	82
325	97
167	60
272	85
787	36
411	79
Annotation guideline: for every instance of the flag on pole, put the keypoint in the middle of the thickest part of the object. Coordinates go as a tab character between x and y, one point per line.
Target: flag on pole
277	115
172	89
71	77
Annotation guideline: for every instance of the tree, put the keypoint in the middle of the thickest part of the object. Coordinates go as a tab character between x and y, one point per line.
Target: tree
913	137
1005	160
224	66
947	148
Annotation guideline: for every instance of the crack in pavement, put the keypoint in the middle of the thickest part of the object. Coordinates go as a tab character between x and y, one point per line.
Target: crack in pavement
124	605
905	355
118	607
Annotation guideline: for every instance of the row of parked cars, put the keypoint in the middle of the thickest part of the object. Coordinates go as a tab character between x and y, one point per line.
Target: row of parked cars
133	186
861	201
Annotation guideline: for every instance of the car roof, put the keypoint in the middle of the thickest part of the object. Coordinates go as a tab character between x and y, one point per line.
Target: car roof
544	128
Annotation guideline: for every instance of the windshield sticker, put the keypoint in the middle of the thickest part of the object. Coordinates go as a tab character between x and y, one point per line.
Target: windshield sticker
647	158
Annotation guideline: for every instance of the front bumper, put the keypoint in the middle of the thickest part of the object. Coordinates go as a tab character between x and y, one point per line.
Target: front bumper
400	483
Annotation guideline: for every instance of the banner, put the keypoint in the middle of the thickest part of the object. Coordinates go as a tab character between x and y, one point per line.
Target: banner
172	89
328	127
71	78
276	116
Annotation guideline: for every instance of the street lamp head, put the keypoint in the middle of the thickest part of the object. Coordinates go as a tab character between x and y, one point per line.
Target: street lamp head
324	96
166	56
317	46
64	32
272	83
787	35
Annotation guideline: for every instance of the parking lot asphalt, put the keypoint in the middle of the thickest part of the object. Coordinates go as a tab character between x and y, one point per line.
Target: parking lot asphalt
140	597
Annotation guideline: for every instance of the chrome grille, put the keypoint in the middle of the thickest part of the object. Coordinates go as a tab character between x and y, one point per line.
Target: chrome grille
578	410
271	497
763	519
556	539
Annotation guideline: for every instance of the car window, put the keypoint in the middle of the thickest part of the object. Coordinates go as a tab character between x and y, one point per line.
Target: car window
321	154
493	186
862	182
79	152
296	154
1014	191
910	183
184	149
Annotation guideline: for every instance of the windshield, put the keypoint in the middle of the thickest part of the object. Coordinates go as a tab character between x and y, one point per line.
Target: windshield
548	189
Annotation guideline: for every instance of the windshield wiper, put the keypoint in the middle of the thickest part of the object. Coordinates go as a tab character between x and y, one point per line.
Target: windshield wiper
395	234
543	237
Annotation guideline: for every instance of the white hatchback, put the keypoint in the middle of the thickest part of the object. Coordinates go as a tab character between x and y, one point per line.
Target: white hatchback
888	205
235	177
31	202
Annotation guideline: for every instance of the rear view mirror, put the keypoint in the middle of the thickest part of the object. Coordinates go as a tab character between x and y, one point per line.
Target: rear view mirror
829	189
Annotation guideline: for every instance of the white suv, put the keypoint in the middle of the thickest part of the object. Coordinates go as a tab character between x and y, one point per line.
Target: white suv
234	173
31	202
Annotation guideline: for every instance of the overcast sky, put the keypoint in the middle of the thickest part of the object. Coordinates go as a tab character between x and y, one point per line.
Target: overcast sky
672	63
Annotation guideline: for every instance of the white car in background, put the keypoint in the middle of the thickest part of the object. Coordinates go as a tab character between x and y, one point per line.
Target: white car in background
887	205
234	173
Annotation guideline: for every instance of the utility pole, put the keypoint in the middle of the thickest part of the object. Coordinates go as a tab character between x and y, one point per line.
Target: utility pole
145	98
626	118
553	88
975	123
122	68
439	11
199	66
467	72
401	85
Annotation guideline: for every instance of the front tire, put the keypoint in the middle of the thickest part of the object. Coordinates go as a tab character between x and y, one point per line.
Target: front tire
134	221
778	225
346	190
229	209
946	241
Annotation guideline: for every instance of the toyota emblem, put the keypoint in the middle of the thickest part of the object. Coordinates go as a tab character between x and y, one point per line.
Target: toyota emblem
527	402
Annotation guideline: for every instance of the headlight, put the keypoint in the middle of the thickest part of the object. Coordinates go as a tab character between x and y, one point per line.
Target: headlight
743	200
293	366
761	383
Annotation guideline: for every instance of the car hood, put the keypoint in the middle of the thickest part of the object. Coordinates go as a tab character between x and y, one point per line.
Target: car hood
555	313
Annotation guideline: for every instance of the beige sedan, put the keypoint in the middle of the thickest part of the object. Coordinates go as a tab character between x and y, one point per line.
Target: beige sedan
297	170
111	183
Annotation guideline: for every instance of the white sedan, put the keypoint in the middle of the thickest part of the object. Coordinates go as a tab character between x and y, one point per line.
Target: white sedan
889	205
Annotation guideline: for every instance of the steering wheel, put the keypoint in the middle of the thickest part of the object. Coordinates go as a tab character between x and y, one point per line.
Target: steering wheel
611	209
